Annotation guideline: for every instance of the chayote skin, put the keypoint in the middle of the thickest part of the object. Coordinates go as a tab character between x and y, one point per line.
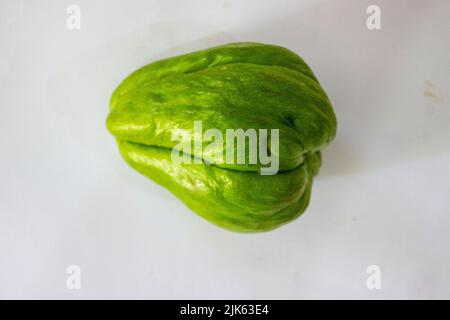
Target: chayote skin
239	85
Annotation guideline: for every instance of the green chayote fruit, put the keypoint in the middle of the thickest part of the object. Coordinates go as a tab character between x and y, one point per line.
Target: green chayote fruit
239	85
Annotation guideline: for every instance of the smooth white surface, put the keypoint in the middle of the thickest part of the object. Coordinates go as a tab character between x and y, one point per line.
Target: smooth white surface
66	196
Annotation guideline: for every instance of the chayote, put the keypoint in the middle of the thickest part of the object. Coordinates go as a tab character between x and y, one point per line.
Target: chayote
239	85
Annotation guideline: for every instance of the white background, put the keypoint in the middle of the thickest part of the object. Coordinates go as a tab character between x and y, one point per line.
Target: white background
66	196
